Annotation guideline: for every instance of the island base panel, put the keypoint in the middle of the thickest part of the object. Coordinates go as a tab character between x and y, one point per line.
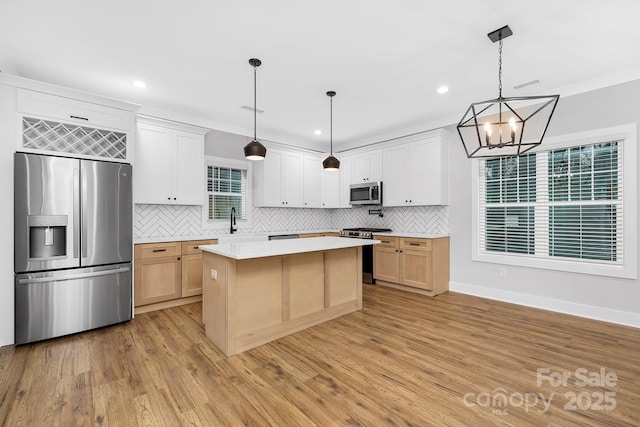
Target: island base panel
255	301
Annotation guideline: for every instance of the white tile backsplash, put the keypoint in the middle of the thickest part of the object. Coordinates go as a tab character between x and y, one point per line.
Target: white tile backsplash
152	221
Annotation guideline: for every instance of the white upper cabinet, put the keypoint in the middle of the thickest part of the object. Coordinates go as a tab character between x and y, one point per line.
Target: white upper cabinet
395	176
293	180
346	163
278	180
312	183
188	183
91	127
331	188
367	166
169	164
73	111
416	173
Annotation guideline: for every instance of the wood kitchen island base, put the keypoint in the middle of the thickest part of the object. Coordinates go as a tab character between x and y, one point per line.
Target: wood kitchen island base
257	300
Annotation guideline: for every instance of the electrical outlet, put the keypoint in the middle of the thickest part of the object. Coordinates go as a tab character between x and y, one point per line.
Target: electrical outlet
214	274
503	273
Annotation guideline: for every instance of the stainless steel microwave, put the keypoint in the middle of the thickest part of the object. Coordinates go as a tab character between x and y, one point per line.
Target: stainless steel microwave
367	193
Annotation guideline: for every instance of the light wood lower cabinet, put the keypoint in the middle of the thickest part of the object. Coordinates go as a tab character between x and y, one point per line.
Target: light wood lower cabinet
168	274
420	265
327	234
192	267
386	261
158	273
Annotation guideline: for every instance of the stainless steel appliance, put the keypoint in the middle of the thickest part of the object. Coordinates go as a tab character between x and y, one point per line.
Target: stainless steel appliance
73	245
367	251
366	193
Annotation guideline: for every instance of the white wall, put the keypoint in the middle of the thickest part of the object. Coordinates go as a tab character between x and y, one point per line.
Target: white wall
8	130
597	297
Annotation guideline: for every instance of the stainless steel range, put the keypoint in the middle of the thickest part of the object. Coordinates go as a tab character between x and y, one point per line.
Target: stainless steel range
367	251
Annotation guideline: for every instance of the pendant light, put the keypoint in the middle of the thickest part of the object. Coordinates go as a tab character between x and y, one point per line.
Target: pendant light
505	126
331	163
255	150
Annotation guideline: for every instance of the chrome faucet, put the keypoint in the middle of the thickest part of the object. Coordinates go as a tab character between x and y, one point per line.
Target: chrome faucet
233	227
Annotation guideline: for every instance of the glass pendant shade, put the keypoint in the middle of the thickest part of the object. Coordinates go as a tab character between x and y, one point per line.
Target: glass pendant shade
331	163
255	150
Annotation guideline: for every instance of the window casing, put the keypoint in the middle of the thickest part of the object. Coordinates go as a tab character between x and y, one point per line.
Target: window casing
570	205
227	186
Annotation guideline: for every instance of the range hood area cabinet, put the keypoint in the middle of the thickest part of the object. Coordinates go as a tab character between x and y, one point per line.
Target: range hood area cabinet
366	167
169	163
416	173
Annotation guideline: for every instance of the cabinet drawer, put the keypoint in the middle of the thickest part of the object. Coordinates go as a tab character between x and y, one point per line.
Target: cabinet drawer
73	111
417	244
157	250
192	247
386	241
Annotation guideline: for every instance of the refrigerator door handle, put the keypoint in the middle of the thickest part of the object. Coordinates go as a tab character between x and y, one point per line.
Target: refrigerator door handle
76	210
72	276
84	195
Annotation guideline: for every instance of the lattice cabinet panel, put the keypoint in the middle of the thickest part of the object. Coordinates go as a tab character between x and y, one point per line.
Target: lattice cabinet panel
73	139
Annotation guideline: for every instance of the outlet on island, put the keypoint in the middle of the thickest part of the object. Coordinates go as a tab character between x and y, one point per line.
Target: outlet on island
214	274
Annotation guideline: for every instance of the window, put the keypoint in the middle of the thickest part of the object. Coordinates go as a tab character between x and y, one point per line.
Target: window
569	207
227	187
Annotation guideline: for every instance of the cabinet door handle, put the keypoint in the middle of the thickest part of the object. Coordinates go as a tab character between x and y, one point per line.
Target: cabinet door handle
414	244
196	247
160	250
79	118
385	241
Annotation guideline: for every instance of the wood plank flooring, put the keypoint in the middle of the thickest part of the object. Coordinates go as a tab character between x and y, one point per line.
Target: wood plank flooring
404	360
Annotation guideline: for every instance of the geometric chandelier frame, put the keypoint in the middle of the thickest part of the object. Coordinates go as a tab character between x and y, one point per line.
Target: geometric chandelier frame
505	126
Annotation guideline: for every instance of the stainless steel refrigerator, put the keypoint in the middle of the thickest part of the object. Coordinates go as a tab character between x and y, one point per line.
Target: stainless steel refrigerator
73	244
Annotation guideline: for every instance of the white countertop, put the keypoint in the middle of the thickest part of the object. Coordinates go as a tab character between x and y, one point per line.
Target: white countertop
275	233
413	235
216	235
284	247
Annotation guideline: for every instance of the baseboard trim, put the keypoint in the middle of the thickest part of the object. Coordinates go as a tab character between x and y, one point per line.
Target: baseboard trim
582	310
167	304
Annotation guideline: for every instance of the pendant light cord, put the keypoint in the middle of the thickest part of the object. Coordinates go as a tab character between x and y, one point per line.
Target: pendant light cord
331	124
500	69
255	108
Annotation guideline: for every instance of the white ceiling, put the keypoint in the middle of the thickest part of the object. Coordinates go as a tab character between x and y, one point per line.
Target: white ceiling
385	59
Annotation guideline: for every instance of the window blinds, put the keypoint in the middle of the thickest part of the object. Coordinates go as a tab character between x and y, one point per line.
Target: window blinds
560	204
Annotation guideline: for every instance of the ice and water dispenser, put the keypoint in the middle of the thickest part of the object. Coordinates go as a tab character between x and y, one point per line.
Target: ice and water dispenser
47	236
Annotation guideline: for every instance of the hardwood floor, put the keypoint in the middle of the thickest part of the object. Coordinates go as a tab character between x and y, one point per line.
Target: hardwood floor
405	359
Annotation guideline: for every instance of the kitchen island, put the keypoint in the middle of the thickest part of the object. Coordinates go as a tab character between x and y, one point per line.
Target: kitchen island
256	292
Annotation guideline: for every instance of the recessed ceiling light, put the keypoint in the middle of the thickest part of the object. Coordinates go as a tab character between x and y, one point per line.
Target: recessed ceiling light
443	89
140	84
318	132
